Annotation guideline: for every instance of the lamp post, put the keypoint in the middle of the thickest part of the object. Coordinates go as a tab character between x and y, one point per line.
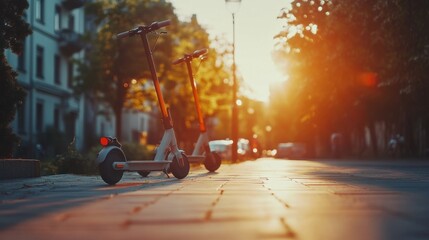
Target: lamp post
233	6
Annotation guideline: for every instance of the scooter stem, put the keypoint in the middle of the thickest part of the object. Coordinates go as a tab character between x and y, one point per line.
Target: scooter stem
196	98
168	123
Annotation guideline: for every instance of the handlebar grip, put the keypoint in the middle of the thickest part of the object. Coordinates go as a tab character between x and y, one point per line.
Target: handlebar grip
180	60
128	33
122	35
200	52
158	25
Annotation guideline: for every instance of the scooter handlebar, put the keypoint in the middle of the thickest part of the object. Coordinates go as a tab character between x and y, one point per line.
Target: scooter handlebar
180	60
200	52
146	29
189	57
126	34
157	25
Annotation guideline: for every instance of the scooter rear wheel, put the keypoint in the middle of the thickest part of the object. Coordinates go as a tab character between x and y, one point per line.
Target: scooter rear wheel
107	172
212	164
180	171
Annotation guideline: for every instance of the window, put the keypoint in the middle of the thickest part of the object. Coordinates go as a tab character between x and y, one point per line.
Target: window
21	60
39	117
40	11
70	74
57	118
57	19
39	61
71	22
21	118
57	70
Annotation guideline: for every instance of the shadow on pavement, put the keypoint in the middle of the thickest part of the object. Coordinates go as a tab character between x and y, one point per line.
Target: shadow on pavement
398	176
25	199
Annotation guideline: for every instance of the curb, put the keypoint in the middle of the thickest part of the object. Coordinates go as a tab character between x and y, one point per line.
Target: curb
19	168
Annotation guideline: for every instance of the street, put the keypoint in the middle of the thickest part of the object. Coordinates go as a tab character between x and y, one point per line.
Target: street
262	199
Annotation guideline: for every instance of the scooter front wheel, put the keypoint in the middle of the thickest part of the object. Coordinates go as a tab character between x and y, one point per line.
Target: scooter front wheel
212	163
180	170
107	172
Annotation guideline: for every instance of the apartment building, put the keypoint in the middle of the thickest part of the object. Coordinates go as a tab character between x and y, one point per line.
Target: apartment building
46	70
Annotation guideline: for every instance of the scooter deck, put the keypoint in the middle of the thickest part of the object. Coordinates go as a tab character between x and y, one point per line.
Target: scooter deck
137	165
196	158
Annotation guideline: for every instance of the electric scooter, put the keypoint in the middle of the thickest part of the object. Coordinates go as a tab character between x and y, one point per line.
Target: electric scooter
202	152
168	158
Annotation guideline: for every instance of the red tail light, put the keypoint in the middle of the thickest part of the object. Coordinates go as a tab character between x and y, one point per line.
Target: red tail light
104	141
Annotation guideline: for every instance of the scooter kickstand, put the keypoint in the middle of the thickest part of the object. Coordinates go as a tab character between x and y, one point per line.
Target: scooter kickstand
166	173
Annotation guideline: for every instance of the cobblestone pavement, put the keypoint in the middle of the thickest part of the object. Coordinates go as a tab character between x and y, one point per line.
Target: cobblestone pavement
262	199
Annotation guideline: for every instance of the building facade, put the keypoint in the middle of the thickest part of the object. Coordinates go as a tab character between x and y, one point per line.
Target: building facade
52	116
46	71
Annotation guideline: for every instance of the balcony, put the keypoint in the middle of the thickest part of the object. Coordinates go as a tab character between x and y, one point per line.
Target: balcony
72	4
70	42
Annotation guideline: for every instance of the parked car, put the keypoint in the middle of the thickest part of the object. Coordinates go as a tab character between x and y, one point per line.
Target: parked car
291	150
224	148
243	148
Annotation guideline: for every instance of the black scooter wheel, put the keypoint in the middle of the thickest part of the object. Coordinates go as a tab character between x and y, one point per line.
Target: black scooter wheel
212	164
180	170
107	172
144	173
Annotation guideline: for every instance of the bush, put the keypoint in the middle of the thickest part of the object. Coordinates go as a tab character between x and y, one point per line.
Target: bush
49	167
73	162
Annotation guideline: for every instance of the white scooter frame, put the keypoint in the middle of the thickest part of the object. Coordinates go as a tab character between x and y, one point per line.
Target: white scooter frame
111	159
202	152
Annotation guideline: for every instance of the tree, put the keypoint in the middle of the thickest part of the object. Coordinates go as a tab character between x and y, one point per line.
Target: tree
405	75
355	63
13	30
111	66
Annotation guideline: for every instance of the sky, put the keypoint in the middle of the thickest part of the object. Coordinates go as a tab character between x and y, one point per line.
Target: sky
255	26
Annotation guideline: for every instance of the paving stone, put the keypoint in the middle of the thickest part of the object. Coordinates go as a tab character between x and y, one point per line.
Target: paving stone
263	199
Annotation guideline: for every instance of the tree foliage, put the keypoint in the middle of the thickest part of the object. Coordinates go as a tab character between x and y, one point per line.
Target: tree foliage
13	30
117	73
353	64
111	66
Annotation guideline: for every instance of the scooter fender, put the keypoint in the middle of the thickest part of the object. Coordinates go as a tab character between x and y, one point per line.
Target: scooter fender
170	155
103	153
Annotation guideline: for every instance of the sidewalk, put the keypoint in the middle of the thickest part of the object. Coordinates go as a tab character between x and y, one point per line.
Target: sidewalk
263	199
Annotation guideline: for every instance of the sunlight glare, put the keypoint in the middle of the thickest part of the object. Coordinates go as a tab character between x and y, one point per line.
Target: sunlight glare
254	37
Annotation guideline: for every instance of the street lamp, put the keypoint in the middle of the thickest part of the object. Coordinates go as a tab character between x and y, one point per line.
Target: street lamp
233	6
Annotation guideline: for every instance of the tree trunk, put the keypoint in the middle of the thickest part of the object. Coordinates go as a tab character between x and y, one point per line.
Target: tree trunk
373	138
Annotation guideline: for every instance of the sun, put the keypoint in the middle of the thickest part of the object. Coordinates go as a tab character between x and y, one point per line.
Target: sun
254	37
258	80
